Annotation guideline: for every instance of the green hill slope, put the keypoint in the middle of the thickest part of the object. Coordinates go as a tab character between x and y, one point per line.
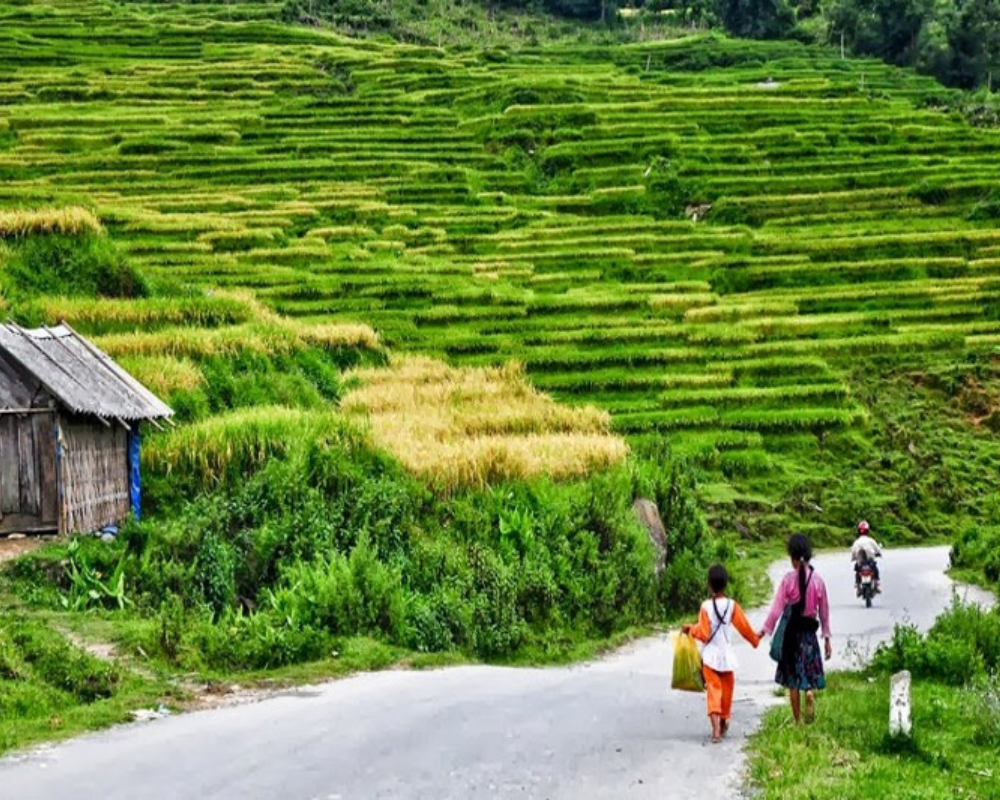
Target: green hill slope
537	206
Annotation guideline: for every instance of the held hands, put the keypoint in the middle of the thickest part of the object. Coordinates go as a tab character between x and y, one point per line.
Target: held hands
828	648
686	628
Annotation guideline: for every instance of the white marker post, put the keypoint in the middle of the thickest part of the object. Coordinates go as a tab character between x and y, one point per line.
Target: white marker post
900	723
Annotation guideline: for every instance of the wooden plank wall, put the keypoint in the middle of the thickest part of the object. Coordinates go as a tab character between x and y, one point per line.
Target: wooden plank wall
94	470
28	492
10	466
45	444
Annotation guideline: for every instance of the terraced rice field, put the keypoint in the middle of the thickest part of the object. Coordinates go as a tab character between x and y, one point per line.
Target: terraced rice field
487	207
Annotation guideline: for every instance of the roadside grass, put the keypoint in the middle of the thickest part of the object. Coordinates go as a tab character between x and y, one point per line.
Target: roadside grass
45	719
973	576
848	753
51	689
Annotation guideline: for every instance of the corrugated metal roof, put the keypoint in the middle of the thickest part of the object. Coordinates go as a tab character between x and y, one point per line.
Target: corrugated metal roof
79	375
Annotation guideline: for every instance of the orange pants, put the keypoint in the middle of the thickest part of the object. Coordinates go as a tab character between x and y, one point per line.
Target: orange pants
720	691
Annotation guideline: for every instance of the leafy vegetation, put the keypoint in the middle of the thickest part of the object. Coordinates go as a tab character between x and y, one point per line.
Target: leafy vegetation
962	646
309	537
72	265
956	42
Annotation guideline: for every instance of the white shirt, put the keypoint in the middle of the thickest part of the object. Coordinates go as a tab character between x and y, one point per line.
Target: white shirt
718	652
866	545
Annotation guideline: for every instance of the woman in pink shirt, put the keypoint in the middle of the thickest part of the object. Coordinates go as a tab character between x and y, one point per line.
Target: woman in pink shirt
803	592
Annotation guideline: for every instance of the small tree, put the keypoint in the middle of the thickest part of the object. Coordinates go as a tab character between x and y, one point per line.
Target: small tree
667	192
603	10
756	19
973	35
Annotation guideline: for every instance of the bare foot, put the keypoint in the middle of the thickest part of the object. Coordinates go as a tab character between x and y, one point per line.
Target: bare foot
810	708
724	727
716	739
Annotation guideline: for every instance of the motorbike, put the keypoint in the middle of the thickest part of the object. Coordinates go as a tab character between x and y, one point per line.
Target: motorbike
866	582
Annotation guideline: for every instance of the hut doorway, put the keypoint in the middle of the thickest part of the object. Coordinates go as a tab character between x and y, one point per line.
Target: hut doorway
29	494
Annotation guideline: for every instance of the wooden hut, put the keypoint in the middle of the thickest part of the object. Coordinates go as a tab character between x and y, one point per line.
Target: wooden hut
69	433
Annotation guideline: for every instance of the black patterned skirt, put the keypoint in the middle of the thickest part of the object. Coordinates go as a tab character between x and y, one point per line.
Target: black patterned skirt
804	671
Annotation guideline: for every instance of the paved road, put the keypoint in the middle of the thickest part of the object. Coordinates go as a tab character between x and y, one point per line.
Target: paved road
609	729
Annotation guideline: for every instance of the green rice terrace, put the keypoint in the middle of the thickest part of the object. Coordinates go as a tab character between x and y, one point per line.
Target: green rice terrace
702	236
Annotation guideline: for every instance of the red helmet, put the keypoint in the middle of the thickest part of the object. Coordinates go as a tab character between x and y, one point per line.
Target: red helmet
863	527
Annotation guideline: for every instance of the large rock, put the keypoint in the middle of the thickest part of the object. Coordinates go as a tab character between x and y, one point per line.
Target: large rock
649	517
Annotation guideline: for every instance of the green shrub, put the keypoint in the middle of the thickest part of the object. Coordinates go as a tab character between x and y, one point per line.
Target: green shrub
497	626
963	644
987	209
950	661
931	193
31	652
240	641
172	624
345	595
729	212
667	193
214	573
86	264
977	547
438	621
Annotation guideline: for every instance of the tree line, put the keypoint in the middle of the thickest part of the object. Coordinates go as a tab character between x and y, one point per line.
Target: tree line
956	41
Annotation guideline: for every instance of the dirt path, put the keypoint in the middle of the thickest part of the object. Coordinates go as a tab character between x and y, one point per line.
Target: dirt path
12	547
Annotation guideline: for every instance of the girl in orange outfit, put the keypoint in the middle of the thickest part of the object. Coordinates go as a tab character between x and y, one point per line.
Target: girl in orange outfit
719	615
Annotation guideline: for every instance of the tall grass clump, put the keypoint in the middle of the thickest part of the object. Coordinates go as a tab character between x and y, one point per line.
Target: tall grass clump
164	375
71	221
95	315
233	445
977	548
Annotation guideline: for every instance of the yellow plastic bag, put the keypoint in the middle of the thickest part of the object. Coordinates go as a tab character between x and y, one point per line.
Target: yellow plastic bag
687	675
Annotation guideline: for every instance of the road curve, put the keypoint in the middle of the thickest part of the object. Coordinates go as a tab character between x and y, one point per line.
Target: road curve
608	729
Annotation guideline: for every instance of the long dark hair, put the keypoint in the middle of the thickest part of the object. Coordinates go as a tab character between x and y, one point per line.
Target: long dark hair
800	548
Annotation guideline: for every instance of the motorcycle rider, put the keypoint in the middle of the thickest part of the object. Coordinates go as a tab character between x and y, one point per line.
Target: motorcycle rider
864	551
